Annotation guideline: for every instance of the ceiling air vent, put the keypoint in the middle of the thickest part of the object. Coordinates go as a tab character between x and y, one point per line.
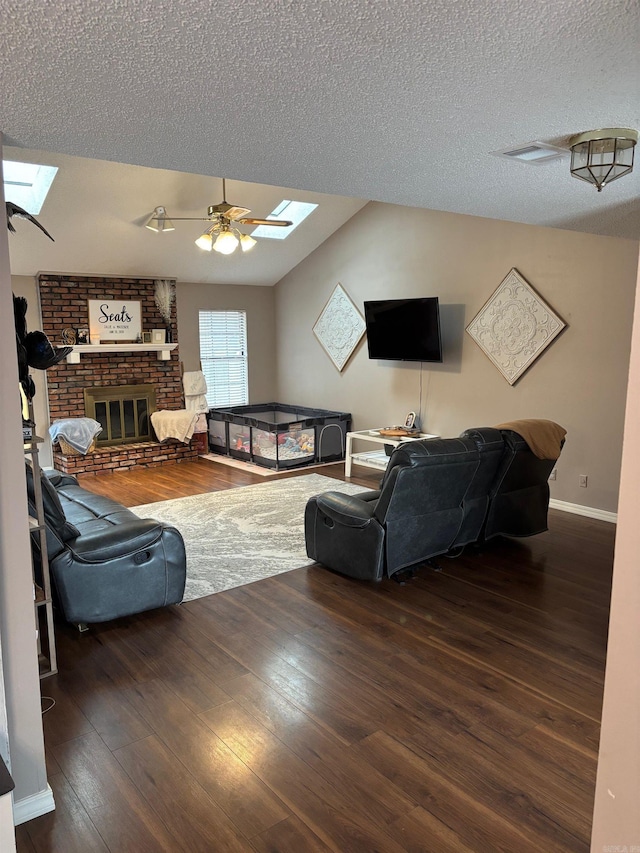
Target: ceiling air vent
533	152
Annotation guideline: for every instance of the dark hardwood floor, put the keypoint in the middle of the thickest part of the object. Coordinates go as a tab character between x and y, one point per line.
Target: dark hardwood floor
308	712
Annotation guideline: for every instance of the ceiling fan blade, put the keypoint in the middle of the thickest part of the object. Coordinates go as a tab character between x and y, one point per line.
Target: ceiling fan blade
237	212
184	218
282	223
231	211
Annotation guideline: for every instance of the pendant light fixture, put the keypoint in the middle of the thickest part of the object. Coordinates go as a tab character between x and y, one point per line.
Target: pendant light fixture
205	241
602	156
247	242
226	242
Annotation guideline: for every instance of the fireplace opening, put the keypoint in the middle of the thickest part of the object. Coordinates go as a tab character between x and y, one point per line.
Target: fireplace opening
123	411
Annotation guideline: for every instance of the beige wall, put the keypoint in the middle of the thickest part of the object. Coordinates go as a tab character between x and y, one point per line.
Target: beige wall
616	819
258	302
388	251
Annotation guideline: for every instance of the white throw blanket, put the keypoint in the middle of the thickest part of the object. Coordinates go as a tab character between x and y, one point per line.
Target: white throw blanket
77	432
195	389
194	382
174	424
196	403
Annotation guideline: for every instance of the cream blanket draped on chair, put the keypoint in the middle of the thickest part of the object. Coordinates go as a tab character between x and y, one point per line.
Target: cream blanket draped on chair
174	424
182	423
543	437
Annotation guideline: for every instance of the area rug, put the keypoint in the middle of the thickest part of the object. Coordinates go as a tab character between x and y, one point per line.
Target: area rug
245	534
251	467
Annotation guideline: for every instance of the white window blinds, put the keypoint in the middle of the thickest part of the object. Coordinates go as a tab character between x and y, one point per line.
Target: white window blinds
223	354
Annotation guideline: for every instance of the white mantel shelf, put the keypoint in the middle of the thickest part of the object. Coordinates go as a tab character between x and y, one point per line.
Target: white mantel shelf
163	350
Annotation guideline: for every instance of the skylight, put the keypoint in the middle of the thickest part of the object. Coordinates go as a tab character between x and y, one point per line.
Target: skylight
27	184
295	211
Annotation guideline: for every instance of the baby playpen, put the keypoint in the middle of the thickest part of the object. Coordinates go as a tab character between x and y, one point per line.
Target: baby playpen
278	436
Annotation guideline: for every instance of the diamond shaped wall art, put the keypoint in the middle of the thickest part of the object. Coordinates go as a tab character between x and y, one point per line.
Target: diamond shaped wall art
514	326
339	327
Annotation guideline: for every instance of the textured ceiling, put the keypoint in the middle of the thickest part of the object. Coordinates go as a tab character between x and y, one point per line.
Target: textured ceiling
394	100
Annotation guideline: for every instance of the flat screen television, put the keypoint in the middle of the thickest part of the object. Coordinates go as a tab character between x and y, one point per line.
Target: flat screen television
404	329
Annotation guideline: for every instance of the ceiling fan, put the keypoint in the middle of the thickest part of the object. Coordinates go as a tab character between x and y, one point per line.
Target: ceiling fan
223	217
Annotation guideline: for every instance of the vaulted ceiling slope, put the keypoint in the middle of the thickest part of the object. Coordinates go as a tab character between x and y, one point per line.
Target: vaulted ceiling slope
96	211
399	101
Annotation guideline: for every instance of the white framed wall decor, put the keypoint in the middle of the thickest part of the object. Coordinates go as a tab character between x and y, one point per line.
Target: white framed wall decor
339	327
515	326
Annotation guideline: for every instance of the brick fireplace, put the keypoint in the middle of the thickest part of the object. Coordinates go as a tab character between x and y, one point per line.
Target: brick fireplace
64	304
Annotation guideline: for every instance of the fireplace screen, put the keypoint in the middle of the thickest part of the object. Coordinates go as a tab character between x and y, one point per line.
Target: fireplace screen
123	411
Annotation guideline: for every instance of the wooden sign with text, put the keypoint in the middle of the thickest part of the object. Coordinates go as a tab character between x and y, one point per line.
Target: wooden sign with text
115	321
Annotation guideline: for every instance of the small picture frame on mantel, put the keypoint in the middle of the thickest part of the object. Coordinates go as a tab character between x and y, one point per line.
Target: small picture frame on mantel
146	337
158	336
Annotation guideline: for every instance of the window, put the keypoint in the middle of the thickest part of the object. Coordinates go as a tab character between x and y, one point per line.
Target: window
27	184
223	355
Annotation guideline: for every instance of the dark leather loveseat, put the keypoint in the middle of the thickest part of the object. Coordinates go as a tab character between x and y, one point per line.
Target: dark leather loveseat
436	496
105	562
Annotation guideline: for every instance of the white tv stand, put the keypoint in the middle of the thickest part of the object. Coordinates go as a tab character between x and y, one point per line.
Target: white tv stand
374	458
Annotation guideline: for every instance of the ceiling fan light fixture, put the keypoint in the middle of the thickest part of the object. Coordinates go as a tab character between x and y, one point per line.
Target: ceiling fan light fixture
602	156
247	242
222	233
159	221
205	241
226	243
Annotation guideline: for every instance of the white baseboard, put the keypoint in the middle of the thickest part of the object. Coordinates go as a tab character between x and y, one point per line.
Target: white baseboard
589	511
33	806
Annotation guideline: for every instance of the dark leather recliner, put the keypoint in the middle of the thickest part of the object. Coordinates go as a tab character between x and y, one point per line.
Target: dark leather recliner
417	513
436	496
105	562
519	496
475	505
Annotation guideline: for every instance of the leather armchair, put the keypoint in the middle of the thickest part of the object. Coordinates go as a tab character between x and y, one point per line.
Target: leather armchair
105	562
491	449
416	515
436	497
519	496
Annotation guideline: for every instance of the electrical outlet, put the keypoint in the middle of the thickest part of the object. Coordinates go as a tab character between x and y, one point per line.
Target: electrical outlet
552	475
583	480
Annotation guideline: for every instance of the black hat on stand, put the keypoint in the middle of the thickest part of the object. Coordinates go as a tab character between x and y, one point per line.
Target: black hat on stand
40	353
